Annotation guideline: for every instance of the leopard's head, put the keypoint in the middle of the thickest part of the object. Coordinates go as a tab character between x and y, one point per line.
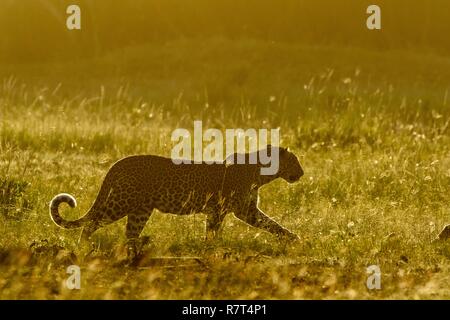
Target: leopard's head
289	168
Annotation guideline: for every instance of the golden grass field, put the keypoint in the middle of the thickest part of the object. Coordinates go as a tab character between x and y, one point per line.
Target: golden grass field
370	127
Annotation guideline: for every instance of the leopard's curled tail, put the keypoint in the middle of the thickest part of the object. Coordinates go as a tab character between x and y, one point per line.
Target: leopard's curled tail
105	191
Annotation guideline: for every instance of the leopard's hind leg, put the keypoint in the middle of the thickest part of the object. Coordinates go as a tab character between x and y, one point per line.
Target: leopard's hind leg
104	214
135	224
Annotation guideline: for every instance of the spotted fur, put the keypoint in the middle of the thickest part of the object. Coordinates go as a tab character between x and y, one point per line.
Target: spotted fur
136	185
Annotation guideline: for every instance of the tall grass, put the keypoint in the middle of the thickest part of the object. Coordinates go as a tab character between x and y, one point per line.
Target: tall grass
370	129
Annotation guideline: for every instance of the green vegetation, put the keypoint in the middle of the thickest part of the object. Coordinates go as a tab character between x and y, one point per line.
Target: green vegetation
370	128
367	112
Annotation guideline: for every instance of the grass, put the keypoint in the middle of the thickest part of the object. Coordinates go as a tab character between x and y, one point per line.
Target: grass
371	130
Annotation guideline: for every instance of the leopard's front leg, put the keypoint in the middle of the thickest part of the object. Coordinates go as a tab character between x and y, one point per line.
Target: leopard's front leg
256	218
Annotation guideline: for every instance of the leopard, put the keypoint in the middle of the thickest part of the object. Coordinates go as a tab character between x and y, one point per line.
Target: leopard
137	185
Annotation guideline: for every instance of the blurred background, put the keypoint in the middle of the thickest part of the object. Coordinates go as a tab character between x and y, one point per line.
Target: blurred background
33	30
265	56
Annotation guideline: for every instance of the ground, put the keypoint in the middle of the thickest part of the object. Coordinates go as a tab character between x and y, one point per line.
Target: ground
371	129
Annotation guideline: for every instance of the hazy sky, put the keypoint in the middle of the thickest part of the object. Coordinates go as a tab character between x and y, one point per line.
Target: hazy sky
35	30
